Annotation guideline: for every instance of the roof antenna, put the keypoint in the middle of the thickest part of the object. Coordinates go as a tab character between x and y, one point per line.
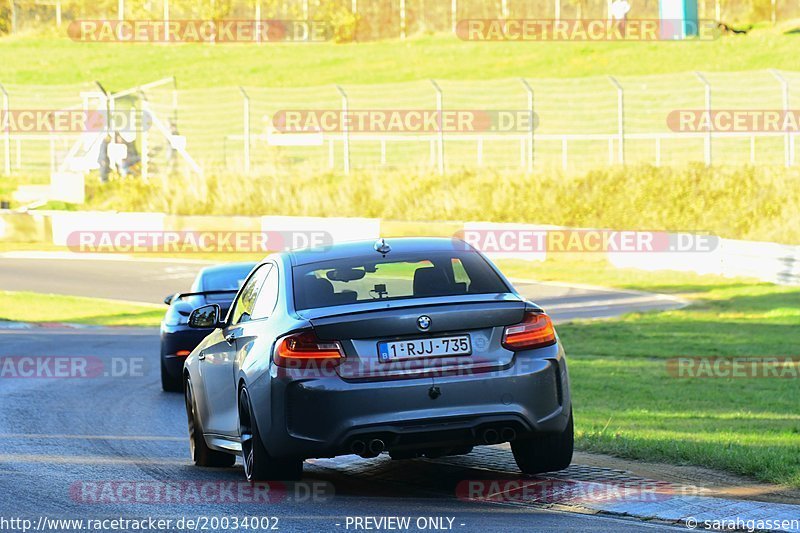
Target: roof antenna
381	247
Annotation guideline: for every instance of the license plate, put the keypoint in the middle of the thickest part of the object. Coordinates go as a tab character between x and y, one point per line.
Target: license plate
434	347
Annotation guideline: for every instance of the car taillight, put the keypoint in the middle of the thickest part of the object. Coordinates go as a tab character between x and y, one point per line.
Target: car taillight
536	330
303	350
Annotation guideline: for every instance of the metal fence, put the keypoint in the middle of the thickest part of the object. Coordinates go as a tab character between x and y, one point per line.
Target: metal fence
583	123
376	18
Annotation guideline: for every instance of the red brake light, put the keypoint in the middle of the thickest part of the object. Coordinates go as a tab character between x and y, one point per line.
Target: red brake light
536	330
305	349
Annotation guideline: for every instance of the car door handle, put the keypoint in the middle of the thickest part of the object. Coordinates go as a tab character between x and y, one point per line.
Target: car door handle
230	337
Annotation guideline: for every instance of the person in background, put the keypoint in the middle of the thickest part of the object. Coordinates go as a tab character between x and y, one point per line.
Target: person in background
103	160
172	153
132	154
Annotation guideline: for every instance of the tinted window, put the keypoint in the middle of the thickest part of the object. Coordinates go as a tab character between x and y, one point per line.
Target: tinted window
268	296
225	279
245	301
352	280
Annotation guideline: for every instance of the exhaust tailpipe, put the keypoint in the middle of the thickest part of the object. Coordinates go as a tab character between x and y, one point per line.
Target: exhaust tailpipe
358	447
376	446
491	436
508	434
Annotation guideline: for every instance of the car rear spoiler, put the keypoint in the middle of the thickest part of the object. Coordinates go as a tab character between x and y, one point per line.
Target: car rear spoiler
178	295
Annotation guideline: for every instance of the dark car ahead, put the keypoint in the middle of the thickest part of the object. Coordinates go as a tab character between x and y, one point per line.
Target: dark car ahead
213	285
410	346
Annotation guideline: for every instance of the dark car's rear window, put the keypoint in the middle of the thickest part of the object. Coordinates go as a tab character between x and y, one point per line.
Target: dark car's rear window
364	279
229	279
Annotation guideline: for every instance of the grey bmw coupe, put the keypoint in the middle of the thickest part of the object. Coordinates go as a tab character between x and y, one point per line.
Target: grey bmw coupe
414	347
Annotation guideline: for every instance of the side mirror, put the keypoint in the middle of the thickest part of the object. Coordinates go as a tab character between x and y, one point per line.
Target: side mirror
168	299
205	317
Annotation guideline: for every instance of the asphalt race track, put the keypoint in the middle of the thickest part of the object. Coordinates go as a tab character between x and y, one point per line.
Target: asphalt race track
62	438
151	280
107	443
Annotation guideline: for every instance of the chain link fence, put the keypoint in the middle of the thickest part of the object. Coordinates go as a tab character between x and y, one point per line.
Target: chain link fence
581	124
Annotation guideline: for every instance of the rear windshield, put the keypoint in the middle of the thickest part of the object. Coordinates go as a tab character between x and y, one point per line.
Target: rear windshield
229	279
364	279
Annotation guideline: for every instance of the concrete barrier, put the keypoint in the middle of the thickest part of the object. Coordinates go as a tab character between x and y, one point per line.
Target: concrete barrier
308	231
211	223
771	262
767	261
66	222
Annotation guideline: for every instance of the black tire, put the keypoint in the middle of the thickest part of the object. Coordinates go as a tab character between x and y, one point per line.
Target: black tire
258	464
545	452
201	454
169	383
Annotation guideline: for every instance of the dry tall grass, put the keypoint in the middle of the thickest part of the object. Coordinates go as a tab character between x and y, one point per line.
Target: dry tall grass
742	202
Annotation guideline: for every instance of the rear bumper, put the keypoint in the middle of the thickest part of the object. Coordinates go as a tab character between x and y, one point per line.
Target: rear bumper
323	416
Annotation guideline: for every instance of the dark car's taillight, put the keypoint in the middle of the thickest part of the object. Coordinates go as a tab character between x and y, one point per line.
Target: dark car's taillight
535	331
303	350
